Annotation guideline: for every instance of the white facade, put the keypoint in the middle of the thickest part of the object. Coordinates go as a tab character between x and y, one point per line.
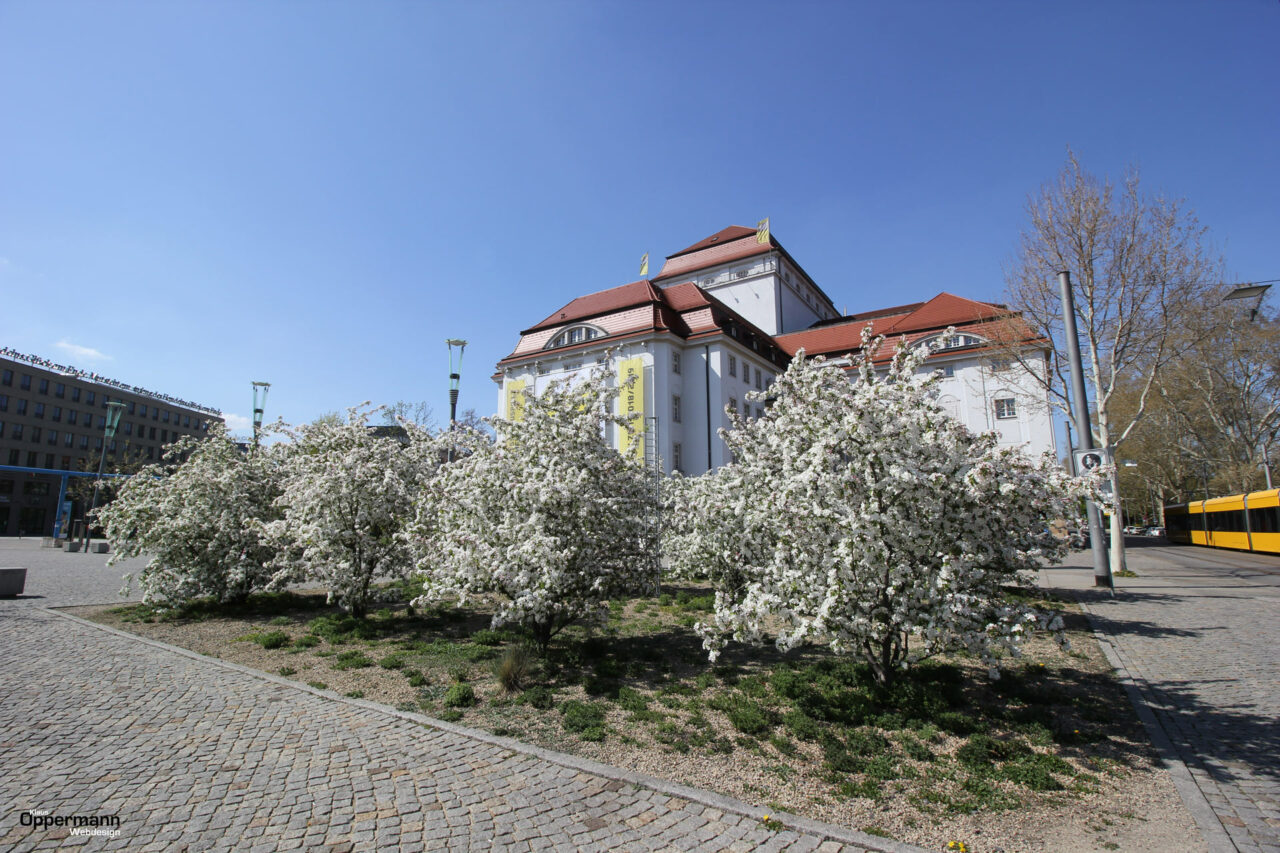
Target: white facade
721	322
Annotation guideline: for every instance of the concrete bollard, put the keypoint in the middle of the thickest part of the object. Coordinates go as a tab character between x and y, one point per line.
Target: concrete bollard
100	547
73	545
12	582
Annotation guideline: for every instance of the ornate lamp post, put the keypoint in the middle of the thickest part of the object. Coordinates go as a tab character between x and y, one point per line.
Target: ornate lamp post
455	375
259	405
114	409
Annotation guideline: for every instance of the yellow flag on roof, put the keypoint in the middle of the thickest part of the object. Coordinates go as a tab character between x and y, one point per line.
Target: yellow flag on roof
762	231
644	265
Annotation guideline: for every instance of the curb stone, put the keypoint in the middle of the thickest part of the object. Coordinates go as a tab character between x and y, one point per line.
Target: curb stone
710	799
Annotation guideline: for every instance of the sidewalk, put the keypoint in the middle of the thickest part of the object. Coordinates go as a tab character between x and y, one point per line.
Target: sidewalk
194	753
1194	636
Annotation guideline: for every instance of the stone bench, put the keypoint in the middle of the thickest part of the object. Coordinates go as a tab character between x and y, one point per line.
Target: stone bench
12	582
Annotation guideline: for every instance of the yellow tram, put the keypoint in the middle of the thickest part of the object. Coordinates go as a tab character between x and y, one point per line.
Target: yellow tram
1243	522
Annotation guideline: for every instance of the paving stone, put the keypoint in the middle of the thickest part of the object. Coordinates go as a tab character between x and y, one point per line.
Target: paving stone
1197	631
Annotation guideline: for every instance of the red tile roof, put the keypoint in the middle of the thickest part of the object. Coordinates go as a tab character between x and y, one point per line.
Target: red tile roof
985	319
602	302
733	232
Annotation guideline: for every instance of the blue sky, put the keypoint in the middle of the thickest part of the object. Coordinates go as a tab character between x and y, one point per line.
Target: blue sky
195	195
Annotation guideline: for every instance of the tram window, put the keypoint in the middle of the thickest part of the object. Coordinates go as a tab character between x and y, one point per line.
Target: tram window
1265	520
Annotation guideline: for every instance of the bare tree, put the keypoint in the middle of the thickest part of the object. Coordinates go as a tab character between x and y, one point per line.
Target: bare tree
1139	266
419	413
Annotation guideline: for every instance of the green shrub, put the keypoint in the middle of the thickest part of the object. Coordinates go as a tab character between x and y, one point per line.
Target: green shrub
416	678
353	659
307	641
488	637
273	640
801	725
395	660
583	718
538	697
632	700
981	751
460	695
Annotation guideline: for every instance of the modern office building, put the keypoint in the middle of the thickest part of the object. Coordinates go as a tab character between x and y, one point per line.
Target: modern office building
52	420
726	315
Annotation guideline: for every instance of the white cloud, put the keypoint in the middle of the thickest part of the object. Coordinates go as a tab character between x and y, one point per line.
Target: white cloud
236	423
85	353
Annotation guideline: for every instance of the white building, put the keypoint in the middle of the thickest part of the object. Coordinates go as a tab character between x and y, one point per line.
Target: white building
727	314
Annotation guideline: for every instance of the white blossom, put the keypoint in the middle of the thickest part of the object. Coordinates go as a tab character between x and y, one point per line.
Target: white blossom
548	517
860	514
199	518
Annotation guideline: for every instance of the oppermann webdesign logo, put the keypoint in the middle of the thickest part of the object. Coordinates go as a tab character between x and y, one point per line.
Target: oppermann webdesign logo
105	825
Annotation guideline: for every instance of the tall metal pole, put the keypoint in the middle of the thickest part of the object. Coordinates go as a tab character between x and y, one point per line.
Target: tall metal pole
1080	410
455	376
108	432
259	408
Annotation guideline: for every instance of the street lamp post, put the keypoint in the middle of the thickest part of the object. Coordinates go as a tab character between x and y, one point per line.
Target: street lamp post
114	409
1258	292
259	406
455	376
1080	407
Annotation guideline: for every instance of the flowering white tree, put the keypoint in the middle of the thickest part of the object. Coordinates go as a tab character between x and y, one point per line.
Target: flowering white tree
870	519
549	517
199	519
347	492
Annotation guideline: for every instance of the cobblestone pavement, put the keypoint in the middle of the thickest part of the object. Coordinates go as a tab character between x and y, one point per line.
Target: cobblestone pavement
191	753
1197	632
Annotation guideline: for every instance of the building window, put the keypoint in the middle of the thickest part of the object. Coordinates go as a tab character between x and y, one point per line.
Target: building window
48	460
13	457
17	436
675	408
44	386
6	487
675	363
1	429
186	421
7	377
128	427
1006	408
39	412
53	437
75	395
153	434
759	379
66	463
166	416
4	402
33	461
35	487
25	384
68	439
143	412
575	335
948	371
88	398
72	416
35	435
84	442
22	407
677	457
60	390
733	366
133	407
759	413
57	414
733	404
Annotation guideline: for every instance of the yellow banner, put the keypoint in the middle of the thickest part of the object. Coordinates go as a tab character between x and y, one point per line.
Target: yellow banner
632	402
644	265
762	231
515	399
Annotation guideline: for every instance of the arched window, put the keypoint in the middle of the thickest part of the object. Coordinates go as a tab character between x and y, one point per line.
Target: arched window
959	340
575	335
